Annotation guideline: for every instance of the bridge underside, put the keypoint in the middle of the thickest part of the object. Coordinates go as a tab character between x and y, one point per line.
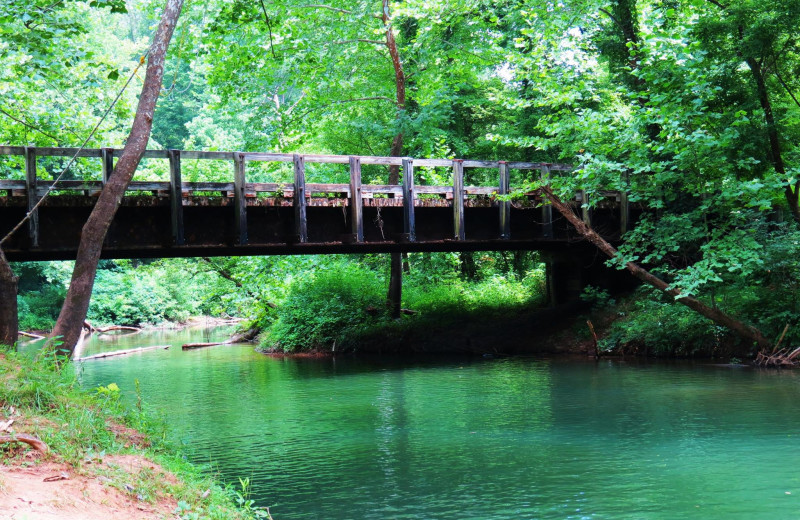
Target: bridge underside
142	228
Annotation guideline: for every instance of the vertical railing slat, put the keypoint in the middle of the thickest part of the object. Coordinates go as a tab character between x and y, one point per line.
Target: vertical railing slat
33	195
547	209
505	205
458	199
356	202
409	224
300	222
107	158
176	197
239	200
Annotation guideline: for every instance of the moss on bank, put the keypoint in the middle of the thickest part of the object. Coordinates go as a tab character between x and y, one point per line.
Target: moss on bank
87	429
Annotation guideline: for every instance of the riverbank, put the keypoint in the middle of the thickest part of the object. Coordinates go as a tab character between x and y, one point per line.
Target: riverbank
99	458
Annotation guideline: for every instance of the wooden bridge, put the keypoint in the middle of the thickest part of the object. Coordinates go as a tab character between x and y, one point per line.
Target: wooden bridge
173	218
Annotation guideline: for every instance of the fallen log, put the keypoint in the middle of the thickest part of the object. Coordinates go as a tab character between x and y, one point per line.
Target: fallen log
103	330
123	352
191	346
30	440
30	335
239	337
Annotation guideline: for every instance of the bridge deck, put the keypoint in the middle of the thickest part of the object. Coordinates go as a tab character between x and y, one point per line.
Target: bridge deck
176	218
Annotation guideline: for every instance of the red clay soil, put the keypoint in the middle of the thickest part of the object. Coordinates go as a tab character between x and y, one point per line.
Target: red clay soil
49	491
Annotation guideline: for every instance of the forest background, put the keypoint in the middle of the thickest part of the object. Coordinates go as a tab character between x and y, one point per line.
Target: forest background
690	106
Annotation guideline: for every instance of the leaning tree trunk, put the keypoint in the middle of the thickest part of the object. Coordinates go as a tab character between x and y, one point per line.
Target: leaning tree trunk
73	312
720	318
394	296
9	320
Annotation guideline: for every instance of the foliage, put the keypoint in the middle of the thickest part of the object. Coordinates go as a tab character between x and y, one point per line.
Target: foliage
343	302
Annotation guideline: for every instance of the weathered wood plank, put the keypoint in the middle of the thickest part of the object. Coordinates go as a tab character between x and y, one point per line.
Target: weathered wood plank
458	199
211	156
107	163
46	151
381	189
314	187
12	150
240	202
356	202
12	185
547	209
148	186
210	186
409	224
480	190
33	196
505	205
176	197
586	211
299	199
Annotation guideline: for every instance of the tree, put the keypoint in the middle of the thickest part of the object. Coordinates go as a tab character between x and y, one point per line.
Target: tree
73	313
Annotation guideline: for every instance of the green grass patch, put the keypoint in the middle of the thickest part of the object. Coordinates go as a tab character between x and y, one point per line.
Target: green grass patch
82	427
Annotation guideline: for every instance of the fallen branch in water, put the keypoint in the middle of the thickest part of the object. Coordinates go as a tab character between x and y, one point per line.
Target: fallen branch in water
239	337
190	346
30	440
30	335
103	330
123	352
782	358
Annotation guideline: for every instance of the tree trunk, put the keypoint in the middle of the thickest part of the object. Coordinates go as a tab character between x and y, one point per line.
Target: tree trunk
395	286
9	318
396	264
717	316
76	305
790	192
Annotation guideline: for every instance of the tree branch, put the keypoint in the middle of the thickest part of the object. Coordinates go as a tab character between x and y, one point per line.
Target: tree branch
269	28
718	4
32	127
613	18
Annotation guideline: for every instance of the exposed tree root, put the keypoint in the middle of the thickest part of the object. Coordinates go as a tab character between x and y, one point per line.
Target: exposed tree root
30	440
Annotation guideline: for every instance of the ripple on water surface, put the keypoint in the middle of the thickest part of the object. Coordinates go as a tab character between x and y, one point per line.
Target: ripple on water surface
490	439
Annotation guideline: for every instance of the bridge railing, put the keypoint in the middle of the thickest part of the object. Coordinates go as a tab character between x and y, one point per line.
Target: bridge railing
299	192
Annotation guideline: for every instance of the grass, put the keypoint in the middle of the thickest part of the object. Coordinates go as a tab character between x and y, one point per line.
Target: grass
82	427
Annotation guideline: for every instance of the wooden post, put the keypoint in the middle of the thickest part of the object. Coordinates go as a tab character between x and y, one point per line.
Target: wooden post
458	199
239	201
176	197
624	207
586	214
547	209
33	195
505	205
356	202
409	225
107	158
300	222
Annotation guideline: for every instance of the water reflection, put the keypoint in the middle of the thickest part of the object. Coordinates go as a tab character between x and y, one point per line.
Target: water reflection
507	438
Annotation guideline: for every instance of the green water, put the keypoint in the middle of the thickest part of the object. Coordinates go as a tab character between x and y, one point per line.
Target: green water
485	439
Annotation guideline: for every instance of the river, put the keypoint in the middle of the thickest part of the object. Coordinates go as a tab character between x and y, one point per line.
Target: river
508	438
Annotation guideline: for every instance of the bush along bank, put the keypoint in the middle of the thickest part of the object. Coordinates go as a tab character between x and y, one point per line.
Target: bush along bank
85	454
342	308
